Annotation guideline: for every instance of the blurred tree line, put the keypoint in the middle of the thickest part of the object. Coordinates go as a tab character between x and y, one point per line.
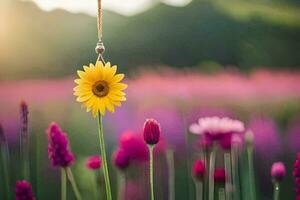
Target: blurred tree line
246	34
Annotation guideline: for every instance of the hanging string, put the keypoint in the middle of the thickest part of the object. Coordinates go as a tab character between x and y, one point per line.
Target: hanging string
100	46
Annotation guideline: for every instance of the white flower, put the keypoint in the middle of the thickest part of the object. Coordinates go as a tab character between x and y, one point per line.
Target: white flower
215	126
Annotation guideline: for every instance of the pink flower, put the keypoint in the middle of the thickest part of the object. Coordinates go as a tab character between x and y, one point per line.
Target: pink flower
296	174
135	147
198	170
278	171
216	127
151	131
23	191
220	175
58	147
93	162
121	159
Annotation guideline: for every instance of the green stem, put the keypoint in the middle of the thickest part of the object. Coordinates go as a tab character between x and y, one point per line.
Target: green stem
222	194
73	183
104	160
5	167
251	172
94	185
63	184
228	184
121	185
212	161
151	171
235	172
171	178
199	190
276	190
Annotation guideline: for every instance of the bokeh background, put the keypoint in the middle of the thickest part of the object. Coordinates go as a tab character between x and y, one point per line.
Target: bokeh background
184	59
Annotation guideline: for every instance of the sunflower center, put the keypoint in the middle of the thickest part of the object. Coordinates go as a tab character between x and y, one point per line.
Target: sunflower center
100	88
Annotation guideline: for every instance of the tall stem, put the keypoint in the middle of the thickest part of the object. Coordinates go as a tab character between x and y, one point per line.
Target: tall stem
104	160
63	184
228	184
121	185
212	161
276	190
73	183
235	172
151	171
4	160
251	172
199	190
221	194
171	177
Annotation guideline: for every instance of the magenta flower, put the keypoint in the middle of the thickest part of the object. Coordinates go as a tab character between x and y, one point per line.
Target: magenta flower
58	147
93	162
23	191
219	175
134	145
151	131
198	170
121	159
278	171
216	127
266	138
294	135
296	174
2	135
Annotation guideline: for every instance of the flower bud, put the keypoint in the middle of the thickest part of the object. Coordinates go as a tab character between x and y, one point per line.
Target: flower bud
249	137
93	162
278	171
219	175
121	159
198	170
151	131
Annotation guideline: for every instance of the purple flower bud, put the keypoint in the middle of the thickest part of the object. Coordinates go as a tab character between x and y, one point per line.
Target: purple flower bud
151	131
24	117
198	170
219	175
93	162
23	191
121	159
2	135
58	147
278	171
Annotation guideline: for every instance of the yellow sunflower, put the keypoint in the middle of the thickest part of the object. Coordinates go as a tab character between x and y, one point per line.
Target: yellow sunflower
99	88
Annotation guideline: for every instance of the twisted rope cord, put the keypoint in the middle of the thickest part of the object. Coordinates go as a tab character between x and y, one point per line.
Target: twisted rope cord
99	20
100	46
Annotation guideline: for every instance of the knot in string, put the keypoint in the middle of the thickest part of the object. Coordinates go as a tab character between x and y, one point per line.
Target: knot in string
100	47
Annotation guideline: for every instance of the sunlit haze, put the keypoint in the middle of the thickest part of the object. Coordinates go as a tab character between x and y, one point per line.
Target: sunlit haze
125	7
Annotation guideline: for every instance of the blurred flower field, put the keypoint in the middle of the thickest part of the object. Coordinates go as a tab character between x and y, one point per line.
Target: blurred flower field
266	101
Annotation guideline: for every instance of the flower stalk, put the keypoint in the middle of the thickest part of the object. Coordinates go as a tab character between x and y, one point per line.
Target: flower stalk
276	190
212	161
104	159
151	171
199	190
24	141
63	184
252	192
171	178
228	184
235	172
4	160
73	183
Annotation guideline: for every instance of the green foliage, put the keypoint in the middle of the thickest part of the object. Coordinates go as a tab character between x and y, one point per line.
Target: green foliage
236	32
